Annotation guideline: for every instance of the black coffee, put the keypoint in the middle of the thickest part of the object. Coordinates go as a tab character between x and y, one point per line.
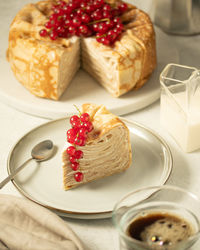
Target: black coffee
161	229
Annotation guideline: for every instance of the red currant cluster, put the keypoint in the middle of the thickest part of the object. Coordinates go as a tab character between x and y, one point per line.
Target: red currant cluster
85	18
77	135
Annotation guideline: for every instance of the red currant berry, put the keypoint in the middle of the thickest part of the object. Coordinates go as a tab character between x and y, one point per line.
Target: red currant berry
119	27
95	27
76	124
122	7
74	118
73	5
75	166
80	141
78	154
78	176
76	21
102	28
98	4
85	117
111	35
60	29
58	11
85	18
107	14
83	5
67	9
72	30
97	14
88	125
71	139
83	132
105	41
72	132
84	30
110	24
48	25
71	150
53	17
72	159
80	12
53	35
117	20
89	8
68	22
43	32
107	7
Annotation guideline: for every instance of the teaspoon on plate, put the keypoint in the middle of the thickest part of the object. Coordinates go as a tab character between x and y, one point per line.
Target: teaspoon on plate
41	152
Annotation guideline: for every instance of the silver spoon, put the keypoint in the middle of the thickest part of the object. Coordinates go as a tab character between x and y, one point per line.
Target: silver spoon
41	152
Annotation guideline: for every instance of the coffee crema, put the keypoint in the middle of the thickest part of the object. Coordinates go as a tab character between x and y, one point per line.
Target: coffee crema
160	229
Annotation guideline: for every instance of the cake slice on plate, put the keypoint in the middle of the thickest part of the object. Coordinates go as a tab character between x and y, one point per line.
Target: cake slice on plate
98	146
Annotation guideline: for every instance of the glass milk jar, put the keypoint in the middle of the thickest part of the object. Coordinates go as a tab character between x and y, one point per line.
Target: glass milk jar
180	105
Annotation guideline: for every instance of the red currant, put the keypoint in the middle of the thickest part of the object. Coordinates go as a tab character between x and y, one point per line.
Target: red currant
43	32
70	139
85	117
85	18
122	7
83	132
107	14
72	30
53	35
107	7
111	35
48	25
97	14
84	30
76	21
78	176
67	9
72	132
78	154
80	141
72	159
71	151
75	166
88	125
76	124
102	28
74	118
89	8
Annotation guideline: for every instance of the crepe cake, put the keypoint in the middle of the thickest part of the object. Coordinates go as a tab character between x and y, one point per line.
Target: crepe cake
46	67
106	151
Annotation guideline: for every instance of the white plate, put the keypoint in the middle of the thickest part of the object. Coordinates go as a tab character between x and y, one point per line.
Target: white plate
42	182
83	88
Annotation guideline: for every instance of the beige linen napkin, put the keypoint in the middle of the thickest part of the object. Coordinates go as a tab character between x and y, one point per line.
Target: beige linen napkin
25	225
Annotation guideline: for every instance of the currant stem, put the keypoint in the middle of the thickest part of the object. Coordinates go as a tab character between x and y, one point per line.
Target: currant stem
77	109
99	21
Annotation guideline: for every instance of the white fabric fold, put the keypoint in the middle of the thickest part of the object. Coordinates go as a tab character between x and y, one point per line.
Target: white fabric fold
24	225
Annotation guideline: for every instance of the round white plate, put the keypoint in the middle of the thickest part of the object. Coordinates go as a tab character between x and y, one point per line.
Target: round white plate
42	182
83	88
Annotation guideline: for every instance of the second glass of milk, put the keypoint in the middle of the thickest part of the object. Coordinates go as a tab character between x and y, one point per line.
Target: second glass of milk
180	105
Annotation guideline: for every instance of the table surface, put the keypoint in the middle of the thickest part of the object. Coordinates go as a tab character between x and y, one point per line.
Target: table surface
100	234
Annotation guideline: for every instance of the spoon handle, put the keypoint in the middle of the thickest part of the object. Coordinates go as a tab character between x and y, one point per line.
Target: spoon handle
10	177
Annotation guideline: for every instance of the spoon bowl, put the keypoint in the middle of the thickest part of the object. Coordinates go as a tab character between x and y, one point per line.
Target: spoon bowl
40	152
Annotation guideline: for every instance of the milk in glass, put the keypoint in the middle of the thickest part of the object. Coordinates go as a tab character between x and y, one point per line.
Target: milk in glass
180	105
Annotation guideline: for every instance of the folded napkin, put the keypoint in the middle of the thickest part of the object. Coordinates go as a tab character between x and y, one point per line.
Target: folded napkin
25	225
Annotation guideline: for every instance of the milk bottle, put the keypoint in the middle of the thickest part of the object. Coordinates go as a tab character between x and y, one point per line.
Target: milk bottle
180	105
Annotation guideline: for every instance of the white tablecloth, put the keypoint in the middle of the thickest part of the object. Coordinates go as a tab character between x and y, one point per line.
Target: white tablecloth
100	234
